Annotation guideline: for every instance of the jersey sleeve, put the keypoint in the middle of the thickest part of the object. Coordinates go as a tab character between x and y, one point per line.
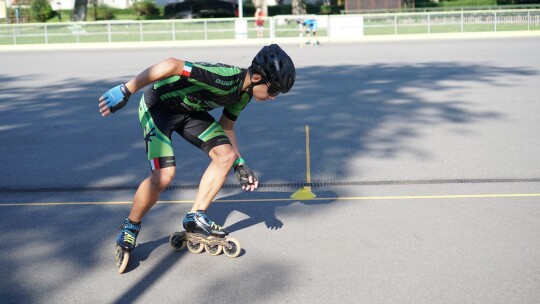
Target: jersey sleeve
233	111
195	74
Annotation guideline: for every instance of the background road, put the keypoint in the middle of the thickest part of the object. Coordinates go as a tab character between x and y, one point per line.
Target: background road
424	158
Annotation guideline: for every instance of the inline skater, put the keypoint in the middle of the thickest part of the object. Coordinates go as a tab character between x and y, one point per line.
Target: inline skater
179	100
310	26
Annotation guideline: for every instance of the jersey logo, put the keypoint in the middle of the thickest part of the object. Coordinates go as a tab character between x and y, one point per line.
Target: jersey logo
148	138
276	65
224	82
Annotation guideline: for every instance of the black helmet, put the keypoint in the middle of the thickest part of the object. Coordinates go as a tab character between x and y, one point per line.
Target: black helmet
275	66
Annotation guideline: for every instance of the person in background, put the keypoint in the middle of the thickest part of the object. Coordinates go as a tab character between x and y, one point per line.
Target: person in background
310	26
259	22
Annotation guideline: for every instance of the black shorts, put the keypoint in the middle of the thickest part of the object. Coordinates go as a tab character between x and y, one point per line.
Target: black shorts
158	122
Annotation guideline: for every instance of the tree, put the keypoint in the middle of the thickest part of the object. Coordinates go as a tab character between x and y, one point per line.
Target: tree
41	10
79	10
145	9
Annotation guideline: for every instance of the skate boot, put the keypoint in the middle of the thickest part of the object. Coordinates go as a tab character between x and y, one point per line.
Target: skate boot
204	234
198	222
125	242
127	237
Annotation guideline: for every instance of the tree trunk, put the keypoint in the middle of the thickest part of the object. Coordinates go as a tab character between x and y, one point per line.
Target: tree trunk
79	10
299	7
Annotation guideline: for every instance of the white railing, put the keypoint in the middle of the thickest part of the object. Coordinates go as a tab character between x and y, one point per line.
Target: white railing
331	28
459	21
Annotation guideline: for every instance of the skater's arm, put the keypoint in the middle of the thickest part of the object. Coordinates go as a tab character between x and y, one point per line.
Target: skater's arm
243	173
162	70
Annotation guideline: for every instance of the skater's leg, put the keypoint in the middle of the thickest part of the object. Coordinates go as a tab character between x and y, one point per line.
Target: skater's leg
223	157
146	196
148	192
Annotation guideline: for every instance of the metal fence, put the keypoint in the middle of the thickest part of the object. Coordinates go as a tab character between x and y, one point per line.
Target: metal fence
452	22
275	27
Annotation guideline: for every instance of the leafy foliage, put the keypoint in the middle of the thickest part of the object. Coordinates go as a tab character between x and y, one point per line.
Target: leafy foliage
104	12
41	10
145	9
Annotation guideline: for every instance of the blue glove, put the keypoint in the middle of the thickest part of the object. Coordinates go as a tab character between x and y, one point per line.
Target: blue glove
117	97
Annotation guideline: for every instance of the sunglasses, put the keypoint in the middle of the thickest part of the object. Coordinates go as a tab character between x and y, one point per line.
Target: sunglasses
272	91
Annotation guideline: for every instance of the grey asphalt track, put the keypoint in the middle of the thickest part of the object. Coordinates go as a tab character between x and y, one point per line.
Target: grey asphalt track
424	159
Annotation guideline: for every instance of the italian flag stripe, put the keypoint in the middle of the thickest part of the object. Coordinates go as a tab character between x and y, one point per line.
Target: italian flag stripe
154	163
187	69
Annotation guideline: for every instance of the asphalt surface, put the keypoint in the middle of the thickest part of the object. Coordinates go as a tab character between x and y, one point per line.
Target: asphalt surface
423	155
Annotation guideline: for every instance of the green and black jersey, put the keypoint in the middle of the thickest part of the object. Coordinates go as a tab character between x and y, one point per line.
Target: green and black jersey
205	86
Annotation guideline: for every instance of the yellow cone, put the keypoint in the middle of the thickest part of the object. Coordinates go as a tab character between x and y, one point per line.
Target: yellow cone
303	194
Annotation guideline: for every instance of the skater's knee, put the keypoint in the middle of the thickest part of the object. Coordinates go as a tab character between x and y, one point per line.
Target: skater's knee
227	159
224	155
162	178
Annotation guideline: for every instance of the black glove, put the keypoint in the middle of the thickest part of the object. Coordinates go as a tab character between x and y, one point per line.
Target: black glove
243	173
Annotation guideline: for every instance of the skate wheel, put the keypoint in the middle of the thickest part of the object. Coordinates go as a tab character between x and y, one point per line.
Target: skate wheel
195	247
122	258
178	241
213	249
232	249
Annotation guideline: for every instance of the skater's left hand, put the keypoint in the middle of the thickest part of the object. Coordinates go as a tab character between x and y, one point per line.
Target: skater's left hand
245	176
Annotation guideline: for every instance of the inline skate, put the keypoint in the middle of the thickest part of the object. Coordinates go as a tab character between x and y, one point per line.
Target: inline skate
203	234
125	243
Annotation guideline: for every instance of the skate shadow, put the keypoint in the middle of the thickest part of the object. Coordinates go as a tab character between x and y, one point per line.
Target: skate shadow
142	252
261	207
153	275
256	207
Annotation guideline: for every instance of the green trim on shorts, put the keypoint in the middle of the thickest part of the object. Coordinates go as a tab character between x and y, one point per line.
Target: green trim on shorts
214	130
157	143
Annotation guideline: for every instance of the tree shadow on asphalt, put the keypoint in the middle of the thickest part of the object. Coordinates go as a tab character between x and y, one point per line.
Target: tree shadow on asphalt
140	254
258	207
261	207
345	104
80	148
143	251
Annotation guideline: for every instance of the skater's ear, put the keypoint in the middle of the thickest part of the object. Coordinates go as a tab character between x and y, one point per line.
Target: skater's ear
256	78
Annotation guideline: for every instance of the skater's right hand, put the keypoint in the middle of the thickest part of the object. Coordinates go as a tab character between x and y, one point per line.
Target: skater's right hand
114	99
245	176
